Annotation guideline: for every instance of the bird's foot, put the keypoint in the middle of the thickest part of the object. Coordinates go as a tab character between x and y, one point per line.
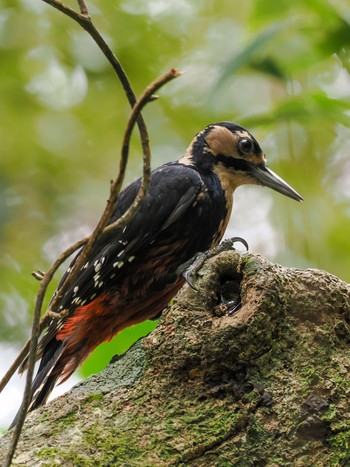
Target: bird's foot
189	270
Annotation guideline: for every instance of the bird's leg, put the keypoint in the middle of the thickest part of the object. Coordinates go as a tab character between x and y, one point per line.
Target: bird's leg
190	269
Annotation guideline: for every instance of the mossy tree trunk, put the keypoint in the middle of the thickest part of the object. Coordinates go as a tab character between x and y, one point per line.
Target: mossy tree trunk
268	385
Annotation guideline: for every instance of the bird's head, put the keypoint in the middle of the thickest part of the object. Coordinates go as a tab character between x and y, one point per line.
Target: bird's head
236	157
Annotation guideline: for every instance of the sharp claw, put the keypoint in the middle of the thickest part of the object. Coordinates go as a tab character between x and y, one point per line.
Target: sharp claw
228	244
187	275
240	240
189	269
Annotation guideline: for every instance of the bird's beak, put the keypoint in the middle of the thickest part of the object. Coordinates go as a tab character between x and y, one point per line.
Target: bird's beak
266	177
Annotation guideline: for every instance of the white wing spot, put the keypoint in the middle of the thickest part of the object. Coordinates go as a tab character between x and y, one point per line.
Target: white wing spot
98	267
69	269
113	275
93	296
118	264
76	288
124	229
131	259
120	253
86	265
100	284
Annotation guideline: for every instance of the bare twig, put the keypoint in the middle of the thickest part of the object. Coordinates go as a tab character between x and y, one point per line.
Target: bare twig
31	346
38	325
146	97
115	186
86	23
40	297
83	8
38	275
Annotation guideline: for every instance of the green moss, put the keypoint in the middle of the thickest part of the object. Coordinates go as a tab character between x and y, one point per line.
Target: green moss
331	414
93	397
251	397
250	264
309	375
58	456
340	443
68	419
156	436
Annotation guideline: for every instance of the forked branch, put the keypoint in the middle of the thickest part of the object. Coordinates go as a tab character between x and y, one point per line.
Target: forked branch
29	351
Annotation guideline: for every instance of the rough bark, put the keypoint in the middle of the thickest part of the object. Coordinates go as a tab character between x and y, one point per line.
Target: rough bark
268	385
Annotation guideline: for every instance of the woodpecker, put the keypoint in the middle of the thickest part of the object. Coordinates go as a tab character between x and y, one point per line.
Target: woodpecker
132	273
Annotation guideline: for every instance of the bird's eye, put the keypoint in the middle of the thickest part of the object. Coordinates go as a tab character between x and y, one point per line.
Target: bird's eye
245	145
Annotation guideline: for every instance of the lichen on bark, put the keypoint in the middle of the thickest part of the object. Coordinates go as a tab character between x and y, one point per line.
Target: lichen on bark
267	385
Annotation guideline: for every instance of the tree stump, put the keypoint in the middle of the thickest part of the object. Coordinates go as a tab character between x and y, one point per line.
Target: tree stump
266	385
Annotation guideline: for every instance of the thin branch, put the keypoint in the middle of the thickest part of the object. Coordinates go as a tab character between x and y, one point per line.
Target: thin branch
85	21
31	346
89	242
115	186
38	275
83	8
147	96
40	297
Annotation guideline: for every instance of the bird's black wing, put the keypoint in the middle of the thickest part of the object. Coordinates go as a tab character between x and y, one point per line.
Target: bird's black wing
173	190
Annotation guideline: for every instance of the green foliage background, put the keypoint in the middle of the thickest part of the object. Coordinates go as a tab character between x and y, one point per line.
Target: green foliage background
280	68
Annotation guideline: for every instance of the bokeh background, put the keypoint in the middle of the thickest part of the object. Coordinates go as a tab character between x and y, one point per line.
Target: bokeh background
277	67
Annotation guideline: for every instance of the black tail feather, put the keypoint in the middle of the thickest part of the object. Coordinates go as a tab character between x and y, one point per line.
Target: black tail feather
45	378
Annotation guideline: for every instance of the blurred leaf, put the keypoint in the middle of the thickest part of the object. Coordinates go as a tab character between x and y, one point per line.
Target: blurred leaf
337	38
249	55
311	108
269	66
344	57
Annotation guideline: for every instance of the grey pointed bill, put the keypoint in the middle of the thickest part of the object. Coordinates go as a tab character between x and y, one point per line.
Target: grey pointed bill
267	177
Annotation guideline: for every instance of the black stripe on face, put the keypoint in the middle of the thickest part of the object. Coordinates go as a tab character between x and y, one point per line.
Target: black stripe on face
232	162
